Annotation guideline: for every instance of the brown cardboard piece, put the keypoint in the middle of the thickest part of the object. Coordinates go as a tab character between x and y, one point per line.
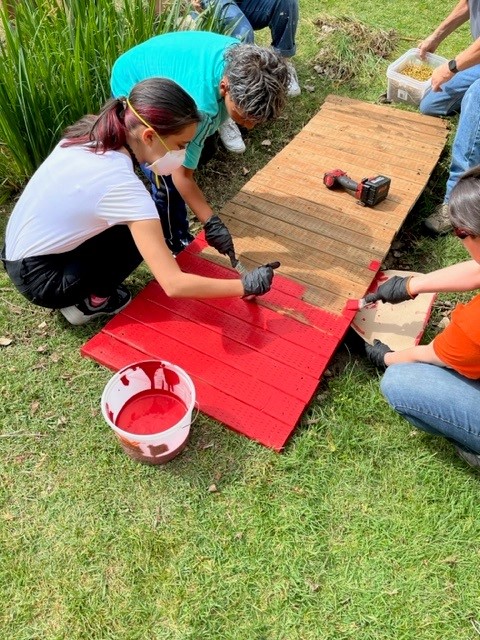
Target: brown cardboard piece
398	325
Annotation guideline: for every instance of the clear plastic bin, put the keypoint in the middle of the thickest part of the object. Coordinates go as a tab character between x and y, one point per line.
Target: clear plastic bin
404	89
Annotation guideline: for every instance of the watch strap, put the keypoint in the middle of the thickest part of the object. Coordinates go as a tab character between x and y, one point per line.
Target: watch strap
452	65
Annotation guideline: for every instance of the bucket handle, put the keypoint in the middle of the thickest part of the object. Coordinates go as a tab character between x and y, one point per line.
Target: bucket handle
197	408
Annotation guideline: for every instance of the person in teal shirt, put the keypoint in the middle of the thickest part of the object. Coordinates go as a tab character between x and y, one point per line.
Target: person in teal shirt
226	78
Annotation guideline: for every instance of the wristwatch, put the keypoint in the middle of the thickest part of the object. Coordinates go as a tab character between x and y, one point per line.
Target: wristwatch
452	65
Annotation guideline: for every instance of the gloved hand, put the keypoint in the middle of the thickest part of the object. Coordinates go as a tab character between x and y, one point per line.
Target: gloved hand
259	281
218	236
376	353
394	290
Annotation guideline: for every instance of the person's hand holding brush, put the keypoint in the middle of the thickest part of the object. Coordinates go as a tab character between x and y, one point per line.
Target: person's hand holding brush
259	281
394	290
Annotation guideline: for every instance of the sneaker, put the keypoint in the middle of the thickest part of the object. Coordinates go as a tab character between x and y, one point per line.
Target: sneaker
293	86
83	312
473	459
439	221
231	137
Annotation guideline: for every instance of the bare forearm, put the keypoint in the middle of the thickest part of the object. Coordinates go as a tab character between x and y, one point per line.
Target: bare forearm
192	194
455	19
469	57
464	276
188	285
419	353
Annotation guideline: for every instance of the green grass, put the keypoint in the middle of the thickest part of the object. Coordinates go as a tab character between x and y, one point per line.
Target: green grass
363	528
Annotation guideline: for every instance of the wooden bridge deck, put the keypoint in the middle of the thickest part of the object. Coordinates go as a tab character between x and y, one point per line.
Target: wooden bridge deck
324	239
256	365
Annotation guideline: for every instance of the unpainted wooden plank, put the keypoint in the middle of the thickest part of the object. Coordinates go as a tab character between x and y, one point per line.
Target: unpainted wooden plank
322	235
396	142
309	266
372	163
259	196
292	182
352	137
381	128
325	224
356	166
392	116
300	170
413	118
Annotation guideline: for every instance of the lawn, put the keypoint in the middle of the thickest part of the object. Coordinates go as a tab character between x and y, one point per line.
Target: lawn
362	528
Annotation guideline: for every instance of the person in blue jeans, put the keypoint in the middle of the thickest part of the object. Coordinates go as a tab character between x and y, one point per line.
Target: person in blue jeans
436	386
241	19
456	88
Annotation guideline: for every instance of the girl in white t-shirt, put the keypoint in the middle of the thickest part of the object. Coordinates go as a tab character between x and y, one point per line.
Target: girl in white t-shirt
85	220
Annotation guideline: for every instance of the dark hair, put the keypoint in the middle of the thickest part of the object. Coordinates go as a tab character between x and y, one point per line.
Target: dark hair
464	203
161	102
258	79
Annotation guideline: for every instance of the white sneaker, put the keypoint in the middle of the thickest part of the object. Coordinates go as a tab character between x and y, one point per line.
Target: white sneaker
231	137
293	86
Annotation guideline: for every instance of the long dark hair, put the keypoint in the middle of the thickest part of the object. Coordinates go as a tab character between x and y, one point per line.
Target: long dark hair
464	202
161	102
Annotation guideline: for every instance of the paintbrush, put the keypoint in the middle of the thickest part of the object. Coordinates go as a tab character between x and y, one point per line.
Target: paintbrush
236	264
360	303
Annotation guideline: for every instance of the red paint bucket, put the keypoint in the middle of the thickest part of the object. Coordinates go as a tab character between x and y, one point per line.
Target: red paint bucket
149	406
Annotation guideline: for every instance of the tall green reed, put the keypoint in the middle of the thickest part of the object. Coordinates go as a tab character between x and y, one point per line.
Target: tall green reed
55	63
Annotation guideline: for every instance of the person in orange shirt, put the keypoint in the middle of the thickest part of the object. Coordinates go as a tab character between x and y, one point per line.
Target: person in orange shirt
436	386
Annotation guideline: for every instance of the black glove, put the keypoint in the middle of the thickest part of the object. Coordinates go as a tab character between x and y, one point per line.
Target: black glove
259	281
376	353
218	236
394	290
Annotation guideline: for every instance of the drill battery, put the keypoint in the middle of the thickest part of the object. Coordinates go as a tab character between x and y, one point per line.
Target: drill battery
369	191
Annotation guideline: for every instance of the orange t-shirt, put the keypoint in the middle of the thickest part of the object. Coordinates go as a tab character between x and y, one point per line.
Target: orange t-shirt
458	346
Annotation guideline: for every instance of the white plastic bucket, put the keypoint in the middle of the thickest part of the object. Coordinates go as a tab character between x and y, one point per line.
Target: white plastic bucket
149	406
402	88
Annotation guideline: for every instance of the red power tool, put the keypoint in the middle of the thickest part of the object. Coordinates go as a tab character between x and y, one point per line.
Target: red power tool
369	192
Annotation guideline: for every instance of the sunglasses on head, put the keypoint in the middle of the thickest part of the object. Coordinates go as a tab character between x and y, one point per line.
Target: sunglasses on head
463	233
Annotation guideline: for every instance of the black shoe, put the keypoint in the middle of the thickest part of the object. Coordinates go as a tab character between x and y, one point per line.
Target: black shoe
473	459
83	312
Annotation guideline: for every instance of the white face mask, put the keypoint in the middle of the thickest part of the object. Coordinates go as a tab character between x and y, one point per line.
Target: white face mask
165	165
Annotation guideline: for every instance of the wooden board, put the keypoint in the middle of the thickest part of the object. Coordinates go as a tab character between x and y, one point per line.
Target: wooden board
256	365
324	239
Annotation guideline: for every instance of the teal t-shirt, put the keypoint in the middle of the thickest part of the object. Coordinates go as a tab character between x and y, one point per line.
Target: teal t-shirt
192	59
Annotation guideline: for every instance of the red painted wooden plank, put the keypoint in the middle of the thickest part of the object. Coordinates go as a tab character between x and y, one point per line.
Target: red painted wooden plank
286	294
238	415
220	375
221	342
269	334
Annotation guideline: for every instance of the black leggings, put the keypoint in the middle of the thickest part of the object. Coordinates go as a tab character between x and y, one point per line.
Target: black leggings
96	267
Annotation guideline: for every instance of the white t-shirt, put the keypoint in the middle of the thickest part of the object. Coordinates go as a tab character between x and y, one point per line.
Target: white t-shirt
75	195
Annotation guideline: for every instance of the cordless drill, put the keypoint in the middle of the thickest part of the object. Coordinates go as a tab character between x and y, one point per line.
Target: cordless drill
369	192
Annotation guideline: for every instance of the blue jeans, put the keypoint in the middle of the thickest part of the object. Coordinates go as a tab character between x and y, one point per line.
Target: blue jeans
437	400
172	211
461	93
247	16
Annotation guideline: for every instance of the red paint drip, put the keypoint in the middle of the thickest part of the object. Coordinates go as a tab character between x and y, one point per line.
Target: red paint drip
151	412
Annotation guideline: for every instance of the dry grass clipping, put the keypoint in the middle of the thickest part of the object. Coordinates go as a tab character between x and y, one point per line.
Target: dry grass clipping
347	45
